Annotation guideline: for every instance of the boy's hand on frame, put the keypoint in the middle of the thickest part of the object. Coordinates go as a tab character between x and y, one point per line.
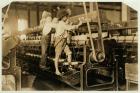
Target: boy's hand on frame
80	22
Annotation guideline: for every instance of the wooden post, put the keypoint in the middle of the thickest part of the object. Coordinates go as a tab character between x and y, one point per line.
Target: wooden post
37	13
91	7
29	22
125	13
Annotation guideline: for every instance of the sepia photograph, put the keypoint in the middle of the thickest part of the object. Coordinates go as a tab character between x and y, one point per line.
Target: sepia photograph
69	46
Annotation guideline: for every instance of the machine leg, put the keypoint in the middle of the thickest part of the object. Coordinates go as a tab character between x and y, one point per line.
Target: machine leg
18	78
117	77
14	70
127	85
81	79
82	70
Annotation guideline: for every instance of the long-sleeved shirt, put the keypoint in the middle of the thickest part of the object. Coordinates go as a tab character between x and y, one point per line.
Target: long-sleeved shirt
48	26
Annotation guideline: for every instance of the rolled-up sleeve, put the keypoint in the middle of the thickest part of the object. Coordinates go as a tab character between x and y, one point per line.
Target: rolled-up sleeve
70	27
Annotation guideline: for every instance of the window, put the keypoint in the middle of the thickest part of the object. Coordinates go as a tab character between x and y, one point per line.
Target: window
22	25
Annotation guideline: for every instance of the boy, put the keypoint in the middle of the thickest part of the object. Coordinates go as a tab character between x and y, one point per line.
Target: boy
45	41
46	17
60	38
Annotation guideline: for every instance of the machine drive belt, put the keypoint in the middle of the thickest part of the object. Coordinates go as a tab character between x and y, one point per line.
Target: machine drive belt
100	30
100	43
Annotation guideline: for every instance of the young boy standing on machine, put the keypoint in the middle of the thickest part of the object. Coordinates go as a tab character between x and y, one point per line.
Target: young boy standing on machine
60	38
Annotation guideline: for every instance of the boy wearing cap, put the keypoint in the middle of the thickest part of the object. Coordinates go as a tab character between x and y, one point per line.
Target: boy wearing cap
60	38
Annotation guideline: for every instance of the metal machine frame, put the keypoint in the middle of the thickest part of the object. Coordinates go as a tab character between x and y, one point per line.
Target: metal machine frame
13	69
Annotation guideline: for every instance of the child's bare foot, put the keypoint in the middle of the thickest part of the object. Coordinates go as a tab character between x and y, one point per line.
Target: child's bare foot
42	67
58	73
